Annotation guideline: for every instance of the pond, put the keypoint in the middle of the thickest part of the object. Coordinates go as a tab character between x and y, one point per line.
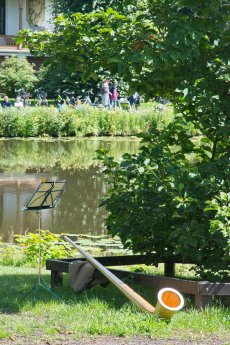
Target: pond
23	165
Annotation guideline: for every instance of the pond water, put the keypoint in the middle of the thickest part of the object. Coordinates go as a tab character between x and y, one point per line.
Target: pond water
23	165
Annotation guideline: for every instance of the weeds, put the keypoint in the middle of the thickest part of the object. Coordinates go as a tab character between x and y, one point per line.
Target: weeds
86	121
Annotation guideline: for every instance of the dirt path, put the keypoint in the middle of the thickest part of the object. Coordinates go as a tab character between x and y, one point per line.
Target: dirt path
108	340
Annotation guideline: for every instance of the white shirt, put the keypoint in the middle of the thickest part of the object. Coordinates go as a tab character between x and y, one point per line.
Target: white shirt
18	104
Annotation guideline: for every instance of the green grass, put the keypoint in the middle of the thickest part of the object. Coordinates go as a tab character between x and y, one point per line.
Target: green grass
99	311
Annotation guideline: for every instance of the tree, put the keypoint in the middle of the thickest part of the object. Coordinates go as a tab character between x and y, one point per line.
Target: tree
160	202
55	74
16	74
87	6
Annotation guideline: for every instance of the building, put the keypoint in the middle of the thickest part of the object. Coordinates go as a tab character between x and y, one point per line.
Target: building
20	14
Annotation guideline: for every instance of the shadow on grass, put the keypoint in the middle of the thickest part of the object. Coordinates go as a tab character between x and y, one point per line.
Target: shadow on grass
17	290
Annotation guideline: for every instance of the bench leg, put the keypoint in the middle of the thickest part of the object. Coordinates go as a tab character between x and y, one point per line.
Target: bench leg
202	301
56	279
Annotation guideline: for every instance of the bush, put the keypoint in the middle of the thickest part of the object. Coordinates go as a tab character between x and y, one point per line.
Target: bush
161	204
11	255
16	73
52	247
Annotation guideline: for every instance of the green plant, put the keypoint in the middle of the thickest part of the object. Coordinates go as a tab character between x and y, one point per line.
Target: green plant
16	73
52	246
88	121
159	203
11	255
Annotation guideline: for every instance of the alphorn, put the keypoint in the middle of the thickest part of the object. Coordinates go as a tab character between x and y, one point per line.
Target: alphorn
124	288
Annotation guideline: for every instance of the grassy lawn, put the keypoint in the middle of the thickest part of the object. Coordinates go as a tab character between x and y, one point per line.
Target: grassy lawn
99	311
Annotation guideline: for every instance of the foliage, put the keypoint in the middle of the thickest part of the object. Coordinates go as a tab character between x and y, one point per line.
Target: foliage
160	203
55	76
16	74
52	246
11	255
86	6
85	121
178	50
187	49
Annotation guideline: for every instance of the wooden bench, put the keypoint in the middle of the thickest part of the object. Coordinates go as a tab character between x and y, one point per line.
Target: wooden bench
202	290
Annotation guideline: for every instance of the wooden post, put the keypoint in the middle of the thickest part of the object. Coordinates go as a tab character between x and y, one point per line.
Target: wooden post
20	10
56	279
169	269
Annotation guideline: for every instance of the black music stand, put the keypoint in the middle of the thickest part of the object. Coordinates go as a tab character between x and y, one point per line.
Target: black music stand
44	197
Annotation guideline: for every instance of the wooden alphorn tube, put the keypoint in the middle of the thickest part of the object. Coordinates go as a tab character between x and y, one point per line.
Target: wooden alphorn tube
124	288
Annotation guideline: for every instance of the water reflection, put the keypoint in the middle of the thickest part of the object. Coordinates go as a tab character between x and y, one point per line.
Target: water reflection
23	164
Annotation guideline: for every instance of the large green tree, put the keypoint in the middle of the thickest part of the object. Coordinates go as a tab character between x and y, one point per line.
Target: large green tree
87	6
160	200
56	75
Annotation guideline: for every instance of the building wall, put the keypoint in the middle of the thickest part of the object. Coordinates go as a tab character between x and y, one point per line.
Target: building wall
12	16
12	20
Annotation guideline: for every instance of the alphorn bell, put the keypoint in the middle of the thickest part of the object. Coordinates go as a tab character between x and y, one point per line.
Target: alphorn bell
169	300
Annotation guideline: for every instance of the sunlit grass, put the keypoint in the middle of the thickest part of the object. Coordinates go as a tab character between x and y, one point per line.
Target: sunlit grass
98	311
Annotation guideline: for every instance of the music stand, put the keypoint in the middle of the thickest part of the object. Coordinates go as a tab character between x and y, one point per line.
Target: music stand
44	197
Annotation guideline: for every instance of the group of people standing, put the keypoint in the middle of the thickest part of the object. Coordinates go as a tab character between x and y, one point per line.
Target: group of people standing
7	104
109	94
111	97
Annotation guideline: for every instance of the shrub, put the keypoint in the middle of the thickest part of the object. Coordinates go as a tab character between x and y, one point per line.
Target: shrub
11	255
52	247
11	123
16	73
161	204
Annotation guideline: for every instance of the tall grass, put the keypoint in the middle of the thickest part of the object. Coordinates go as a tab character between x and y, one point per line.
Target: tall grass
85	121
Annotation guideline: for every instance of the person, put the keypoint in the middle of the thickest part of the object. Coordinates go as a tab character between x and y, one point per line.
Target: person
18	103
105	93
114	95
61	104
124	103
134	100
130	100
6	103
44	102
137	101
27	102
